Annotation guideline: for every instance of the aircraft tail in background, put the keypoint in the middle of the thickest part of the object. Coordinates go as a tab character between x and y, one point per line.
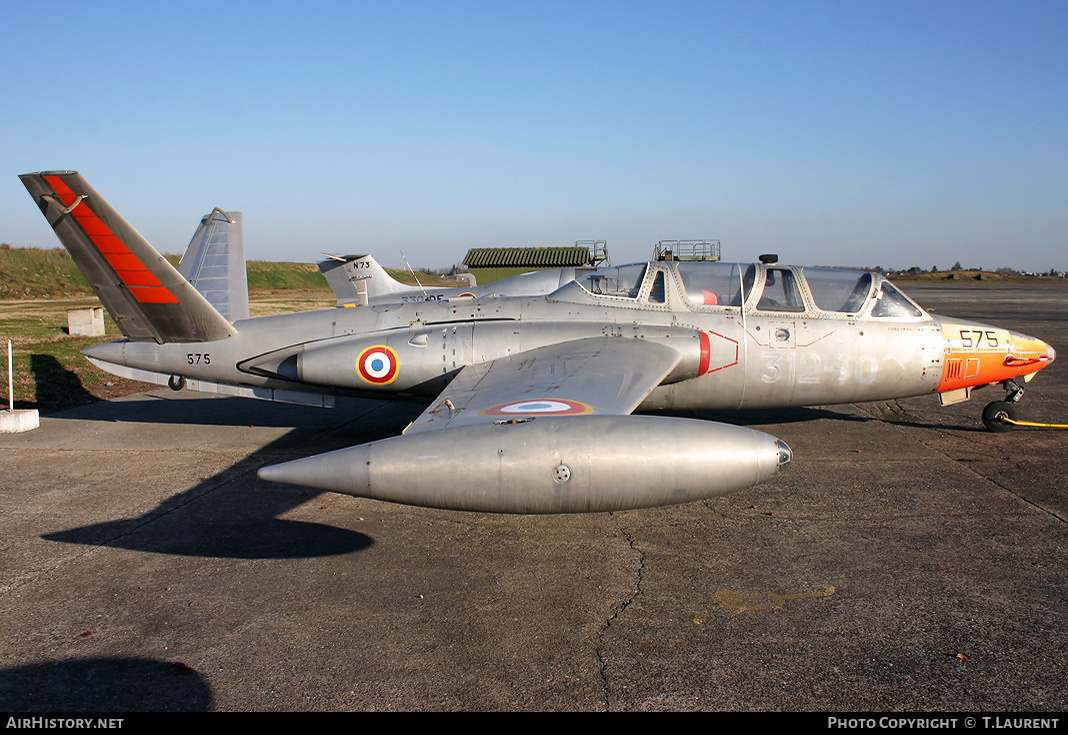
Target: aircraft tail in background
214	263
359	280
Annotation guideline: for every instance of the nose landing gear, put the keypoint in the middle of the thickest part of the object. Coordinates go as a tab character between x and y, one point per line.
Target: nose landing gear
999	416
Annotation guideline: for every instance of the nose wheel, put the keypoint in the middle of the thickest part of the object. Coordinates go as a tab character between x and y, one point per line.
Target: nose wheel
1000	415
995	415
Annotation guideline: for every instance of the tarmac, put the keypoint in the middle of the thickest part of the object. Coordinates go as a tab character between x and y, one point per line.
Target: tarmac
908	560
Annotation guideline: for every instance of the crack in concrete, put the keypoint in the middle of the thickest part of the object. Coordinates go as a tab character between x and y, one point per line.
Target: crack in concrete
636	592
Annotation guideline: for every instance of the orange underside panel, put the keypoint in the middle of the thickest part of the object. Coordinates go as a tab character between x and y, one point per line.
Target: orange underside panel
969	368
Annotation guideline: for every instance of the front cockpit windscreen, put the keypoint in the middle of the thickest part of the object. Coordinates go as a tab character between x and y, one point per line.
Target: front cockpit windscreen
893	304
716	284
840	291
623	280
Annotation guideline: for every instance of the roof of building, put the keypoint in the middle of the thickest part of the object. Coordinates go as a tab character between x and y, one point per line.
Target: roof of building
567	257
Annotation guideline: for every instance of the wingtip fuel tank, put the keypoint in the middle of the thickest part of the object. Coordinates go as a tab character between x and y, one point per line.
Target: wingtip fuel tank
548	465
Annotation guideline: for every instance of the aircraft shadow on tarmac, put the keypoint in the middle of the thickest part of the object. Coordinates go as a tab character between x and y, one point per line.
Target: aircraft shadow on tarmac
230	411
55	385
767	416
104	685
233	514
165	407
895	415
952	424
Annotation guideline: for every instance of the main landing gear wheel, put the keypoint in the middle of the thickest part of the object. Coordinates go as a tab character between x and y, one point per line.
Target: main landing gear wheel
176	382
994	416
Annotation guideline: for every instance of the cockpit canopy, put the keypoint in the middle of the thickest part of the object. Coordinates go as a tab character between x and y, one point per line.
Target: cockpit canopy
760	288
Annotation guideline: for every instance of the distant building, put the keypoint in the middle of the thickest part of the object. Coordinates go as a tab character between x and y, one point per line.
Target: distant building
493	264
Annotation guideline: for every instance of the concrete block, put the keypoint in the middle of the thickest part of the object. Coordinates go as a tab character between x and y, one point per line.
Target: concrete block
16	422
88	322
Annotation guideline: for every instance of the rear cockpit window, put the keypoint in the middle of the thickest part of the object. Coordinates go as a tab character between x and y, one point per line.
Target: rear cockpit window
624	280
841	291
658	294
780	292
716	284
893	303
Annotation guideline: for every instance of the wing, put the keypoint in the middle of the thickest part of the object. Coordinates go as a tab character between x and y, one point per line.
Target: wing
547	431
605	375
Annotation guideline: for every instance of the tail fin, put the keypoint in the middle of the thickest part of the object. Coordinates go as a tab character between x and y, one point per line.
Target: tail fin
358	278
215	263
146	296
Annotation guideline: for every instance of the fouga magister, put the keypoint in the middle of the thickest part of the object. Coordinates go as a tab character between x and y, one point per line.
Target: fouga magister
530	398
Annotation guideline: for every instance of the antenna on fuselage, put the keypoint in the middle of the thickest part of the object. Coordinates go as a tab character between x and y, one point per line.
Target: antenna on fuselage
414	275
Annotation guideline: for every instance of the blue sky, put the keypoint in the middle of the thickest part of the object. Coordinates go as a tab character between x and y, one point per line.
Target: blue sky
833	133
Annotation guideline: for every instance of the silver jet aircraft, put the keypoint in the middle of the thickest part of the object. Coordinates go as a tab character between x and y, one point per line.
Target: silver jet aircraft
358	280
529	399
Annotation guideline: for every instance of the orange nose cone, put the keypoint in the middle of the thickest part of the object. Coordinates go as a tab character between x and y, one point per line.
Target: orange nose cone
978	354
1028	354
